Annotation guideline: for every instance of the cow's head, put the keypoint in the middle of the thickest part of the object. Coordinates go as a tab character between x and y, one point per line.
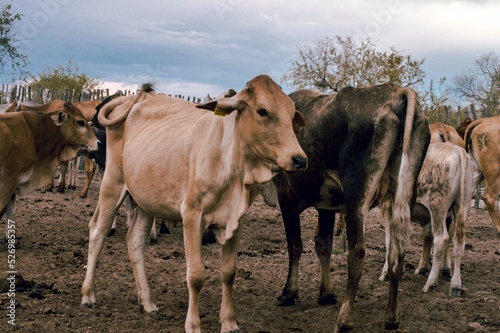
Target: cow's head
76	131
267	122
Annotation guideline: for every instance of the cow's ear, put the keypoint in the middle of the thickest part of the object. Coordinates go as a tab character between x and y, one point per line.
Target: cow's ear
223	106
59	118
298	122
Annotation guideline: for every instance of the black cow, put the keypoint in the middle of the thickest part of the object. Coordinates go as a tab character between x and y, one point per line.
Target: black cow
365	146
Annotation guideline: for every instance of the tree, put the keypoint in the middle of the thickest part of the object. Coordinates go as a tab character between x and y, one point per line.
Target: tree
480	86
61	79
12	62
332	64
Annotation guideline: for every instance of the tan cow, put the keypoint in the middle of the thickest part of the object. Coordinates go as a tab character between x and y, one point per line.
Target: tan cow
33	145
445	133
180	162
444	189
482	141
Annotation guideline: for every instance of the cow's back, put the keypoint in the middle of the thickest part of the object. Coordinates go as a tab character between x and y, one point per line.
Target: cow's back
16	137
152	169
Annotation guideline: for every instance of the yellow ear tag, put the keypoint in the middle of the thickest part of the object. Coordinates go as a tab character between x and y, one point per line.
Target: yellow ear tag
219	112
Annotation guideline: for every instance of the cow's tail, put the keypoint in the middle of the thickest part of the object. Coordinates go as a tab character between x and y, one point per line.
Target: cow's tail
465	195
468	133
400	223
106	110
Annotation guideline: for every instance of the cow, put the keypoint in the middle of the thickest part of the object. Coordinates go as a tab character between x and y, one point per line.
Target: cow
88	109
482	142
45	140
181	162
365	147
444	189
441	132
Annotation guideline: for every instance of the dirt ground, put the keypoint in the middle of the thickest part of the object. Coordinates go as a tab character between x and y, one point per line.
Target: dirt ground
51	251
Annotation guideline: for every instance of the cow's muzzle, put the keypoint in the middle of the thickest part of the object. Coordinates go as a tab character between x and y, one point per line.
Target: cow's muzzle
299	162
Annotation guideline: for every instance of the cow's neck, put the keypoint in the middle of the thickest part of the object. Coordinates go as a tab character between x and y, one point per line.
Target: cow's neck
236	151
49	143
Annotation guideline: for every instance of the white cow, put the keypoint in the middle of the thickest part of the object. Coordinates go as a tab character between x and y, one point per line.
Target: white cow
444	189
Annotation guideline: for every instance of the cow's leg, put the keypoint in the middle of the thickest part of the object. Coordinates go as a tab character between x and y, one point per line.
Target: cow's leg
458	250
137	240
441	244
73	172
227	273
446	264
63	169
490	198
111	195
323	246
10	212
196	272
386	212
153	233
291	219
90	168
423	264
354	219
8	198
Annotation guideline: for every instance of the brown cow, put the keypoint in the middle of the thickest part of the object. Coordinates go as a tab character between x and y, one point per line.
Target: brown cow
183	163
88	109
33	145
482	142
441	132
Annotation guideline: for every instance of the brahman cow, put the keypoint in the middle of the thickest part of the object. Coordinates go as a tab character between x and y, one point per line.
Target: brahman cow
203	168
33	145
444	189
441	132
365	147
482	142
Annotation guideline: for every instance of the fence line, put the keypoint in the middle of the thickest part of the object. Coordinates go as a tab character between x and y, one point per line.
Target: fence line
25	93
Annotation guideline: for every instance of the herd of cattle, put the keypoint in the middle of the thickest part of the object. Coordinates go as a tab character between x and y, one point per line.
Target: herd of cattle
341	153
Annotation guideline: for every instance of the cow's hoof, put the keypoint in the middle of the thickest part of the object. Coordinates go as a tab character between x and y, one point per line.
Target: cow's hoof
327	299
60	190
343	328
111	232
391	326
89	305
83	196
153	314
455	292
286	300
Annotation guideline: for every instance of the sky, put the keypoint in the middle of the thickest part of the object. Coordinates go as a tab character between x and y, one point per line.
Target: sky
195	48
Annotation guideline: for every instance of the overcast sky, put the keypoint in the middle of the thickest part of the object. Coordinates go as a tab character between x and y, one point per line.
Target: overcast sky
198	47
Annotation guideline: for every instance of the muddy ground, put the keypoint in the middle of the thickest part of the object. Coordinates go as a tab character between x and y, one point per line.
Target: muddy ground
51	251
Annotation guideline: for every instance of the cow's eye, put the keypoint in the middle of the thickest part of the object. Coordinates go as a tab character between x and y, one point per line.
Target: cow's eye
262	112
80	123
